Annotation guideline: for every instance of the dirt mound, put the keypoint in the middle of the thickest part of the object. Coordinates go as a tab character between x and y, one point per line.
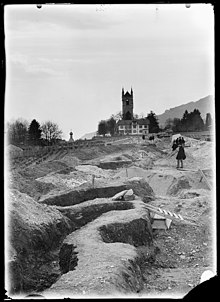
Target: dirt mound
178	185
62	182
43	169
70	160
101	189
115	162
34	230
29	186
14	151
94	170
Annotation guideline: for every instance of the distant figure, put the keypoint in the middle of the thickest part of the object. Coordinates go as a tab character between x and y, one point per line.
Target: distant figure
181	153
151	138
143	136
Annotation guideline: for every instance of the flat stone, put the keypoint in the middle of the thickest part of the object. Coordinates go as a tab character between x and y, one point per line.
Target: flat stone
129	195
119	195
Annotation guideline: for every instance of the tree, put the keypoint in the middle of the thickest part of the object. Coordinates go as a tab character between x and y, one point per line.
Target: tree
117	116
34	133
168	124
185	121
191	121
176	125
154	125
136	116
17	131
111	126
102	128
195	122
50	132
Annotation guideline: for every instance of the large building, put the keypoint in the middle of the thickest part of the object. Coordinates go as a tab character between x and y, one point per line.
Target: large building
128	125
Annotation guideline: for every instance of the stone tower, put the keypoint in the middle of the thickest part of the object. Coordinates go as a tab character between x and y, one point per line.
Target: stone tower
127	105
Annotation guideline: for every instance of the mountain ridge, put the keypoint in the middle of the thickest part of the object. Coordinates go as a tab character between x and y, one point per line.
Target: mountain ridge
204	105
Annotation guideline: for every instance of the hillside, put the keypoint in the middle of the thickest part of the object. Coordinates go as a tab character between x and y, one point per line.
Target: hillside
88	135
204	105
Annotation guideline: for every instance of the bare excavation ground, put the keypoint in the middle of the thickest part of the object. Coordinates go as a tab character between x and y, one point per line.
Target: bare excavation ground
82	223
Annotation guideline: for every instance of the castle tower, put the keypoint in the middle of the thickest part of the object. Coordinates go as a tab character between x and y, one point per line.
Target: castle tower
127	105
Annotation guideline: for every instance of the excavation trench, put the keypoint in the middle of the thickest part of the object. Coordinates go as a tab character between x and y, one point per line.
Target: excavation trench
42	263
107	242
45	266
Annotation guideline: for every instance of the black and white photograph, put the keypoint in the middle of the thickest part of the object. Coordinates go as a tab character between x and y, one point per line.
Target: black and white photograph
109	150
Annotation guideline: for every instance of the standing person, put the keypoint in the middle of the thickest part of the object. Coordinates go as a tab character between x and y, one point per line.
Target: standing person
181	154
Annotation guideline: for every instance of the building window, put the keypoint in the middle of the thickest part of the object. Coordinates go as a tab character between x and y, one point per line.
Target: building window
134	126
134	131
140	126
140	131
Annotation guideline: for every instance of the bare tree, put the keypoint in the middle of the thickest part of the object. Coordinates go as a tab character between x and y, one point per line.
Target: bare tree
117	116
50	132
17	131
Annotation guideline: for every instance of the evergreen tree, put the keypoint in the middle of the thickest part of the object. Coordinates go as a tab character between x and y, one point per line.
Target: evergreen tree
191	121
197	123
34	133
184	122
154	125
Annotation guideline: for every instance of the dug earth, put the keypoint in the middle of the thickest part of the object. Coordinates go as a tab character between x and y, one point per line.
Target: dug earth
82	223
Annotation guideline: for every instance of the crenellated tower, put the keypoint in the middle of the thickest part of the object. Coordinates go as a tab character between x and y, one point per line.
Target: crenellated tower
127	105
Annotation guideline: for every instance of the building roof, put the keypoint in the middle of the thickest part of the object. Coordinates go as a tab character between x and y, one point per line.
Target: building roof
124	122
140	121
143	121
127	94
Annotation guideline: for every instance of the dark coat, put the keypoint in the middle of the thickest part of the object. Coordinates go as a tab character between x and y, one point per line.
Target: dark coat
174	146
181	153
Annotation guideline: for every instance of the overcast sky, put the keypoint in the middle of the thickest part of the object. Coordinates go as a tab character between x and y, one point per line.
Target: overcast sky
68	63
